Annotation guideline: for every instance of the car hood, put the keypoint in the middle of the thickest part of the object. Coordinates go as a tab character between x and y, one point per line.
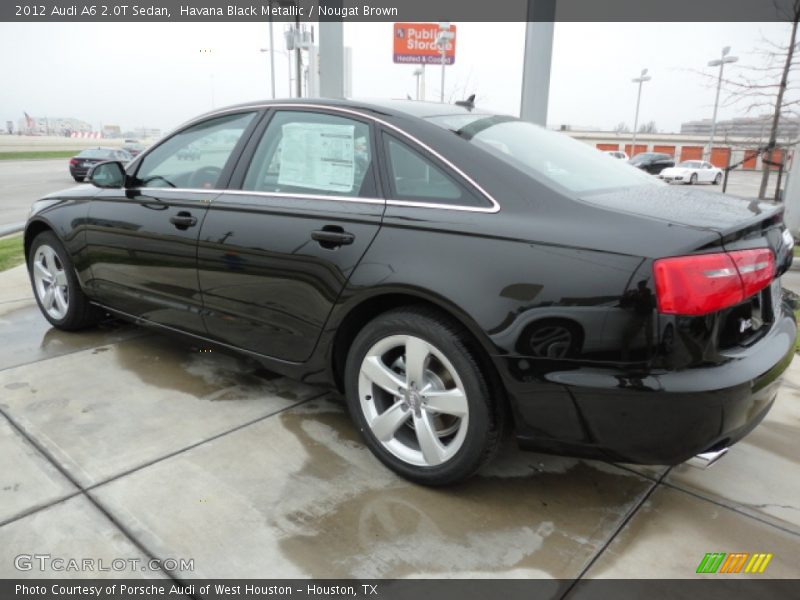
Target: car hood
691	207
83	190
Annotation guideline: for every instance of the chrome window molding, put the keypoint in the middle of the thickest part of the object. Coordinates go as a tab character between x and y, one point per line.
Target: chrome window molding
217	192
389	201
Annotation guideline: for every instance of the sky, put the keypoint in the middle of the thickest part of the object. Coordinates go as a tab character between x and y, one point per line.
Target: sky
155	75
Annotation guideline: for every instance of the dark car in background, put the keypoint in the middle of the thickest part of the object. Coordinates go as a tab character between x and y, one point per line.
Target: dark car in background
80	164
449	270
133	147
652	162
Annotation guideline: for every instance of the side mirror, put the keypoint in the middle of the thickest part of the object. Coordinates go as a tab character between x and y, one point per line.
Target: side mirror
110	174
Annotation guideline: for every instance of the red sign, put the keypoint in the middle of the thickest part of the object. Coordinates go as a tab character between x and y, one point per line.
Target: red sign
415	43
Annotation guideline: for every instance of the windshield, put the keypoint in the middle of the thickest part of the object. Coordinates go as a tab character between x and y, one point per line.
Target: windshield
690	164
545	154
96	153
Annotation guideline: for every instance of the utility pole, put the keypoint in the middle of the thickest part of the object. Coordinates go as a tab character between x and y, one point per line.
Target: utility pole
640	80
445	35
271	53
721	64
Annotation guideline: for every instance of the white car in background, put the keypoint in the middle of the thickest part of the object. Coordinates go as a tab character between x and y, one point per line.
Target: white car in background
617	154
691	172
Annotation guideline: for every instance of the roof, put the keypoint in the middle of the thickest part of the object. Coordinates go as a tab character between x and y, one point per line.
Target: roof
412	108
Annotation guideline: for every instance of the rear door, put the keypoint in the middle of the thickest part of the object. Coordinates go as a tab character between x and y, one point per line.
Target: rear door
277	248
142	240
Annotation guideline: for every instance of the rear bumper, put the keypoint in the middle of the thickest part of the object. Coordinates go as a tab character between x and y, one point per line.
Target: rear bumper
655	417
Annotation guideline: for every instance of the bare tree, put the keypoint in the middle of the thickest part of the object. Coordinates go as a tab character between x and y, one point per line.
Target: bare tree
622	127
767	87
649	127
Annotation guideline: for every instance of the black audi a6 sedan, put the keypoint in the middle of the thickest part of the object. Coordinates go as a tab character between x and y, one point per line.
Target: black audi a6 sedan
81	163
451	271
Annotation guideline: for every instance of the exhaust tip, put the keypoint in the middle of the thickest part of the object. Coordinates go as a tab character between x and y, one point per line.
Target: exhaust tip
706	459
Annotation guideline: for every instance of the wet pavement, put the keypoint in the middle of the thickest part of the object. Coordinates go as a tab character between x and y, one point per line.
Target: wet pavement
121	443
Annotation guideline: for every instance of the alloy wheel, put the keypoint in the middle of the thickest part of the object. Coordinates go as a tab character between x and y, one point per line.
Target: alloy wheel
413	400
50	279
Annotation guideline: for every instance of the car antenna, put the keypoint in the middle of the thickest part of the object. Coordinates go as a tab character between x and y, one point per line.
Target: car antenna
468	103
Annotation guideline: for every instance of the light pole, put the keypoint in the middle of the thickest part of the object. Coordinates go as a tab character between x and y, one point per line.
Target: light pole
720	62
272	53
640	80
208	52
419	73
445	35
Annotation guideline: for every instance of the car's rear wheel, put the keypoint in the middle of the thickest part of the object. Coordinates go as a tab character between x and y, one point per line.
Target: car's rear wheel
56	286
78	179
718	179
422	403
693	179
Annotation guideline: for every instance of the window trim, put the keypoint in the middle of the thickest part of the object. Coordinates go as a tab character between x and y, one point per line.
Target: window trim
415	142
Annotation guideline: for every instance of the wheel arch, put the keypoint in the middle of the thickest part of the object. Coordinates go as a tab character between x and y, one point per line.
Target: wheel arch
33	229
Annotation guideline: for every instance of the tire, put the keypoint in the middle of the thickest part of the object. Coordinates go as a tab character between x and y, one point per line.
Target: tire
50	269
454	445
717	179
693	179
78	179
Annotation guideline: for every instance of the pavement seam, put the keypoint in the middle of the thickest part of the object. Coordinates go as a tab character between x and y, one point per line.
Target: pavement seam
143	334
102	508
94	486
631	513
730	507
194	445
82	492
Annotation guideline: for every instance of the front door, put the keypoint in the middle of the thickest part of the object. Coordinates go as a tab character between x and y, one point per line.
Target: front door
142	240
275	254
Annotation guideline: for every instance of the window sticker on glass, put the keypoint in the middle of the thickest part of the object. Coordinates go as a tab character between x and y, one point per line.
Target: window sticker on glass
319	156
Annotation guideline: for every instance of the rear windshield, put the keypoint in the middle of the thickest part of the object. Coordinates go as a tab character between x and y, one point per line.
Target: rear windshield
96	153
544	154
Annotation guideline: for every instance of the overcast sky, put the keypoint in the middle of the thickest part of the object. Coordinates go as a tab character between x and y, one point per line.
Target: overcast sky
155	75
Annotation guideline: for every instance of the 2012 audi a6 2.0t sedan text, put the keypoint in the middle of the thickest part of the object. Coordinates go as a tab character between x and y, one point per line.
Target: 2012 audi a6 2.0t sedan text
453	272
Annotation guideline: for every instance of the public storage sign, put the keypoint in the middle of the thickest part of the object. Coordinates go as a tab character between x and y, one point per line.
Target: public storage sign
415	43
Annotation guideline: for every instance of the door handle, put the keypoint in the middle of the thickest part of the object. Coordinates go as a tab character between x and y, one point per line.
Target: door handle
183	220
332	236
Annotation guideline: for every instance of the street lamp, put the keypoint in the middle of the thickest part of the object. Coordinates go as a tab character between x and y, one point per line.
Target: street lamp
272	53
720	62
419	73
445	35
640	80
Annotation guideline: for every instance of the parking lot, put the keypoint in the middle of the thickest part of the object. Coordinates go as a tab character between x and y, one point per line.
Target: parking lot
122	443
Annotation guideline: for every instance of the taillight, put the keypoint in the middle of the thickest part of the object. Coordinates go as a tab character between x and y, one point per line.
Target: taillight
756	267
73	161
706	283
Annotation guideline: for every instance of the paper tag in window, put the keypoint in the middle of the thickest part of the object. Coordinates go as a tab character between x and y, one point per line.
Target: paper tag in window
318	156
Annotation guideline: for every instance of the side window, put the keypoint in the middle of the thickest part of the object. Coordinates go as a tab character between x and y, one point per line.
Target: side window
195	157
312	153
415	177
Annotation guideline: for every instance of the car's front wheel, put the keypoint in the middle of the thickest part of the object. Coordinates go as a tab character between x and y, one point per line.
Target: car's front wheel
693	179
419	397
56	285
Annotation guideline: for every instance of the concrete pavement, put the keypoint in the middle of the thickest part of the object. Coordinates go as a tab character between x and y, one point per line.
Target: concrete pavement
121	443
